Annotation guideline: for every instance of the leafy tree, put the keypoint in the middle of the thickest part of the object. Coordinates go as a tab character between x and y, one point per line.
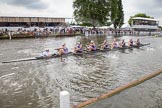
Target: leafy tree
117	14
138	15
94	12
120	14
99	12
86	24
113	11
160	27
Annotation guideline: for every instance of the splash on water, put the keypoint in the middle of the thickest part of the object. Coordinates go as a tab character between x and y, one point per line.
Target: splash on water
27	51
150	49
4	76
15	68
160	47
113	56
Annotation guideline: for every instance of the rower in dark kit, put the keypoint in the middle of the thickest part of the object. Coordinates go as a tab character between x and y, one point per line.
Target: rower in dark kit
78	48
105	45
138	42
91	46
122	44
130	44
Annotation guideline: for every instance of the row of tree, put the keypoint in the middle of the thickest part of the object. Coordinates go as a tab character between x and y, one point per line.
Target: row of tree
99	12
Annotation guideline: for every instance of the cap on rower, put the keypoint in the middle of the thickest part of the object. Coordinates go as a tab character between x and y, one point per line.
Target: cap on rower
92	41
63	44
78	42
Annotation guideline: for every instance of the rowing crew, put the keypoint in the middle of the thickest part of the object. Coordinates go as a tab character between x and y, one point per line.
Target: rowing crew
105	45
92	46
62	50
123	43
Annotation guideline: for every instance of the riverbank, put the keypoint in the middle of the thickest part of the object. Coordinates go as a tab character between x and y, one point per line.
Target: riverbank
19	36
36	36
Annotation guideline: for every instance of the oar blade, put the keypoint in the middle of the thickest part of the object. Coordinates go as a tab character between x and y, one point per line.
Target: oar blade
19	60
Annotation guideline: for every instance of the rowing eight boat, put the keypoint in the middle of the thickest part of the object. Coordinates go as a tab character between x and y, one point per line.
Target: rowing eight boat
91	52
72	53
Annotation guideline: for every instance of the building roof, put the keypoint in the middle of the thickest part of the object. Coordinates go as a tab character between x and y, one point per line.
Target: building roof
31	19
149	19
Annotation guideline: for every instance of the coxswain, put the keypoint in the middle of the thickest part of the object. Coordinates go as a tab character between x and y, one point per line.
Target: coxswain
138	42
91	46
130	44
63	49
46	53
104	45
114	44
122	44
78	48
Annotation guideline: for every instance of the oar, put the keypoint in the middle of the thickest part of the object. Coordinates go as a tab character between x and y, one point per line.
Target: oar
58	48
61	58
142	45
19	60
146	44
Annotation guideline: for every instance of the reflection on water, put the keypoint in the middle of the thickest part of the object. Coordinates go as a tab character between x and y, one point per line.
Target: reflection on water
36	84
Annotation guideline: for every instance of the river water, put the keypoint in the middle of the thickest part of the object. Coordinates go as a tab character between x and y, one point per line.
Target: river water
37	83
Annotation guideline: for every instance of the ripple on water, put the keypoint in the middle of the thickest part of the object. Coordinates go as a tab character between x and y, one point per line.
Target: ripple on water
38	83
150	49
26	51
7	76
15	68
113	56
160	46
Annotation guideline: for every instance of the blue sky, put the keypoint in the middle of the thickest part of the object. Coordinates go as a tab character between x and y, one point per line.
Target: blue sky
63	8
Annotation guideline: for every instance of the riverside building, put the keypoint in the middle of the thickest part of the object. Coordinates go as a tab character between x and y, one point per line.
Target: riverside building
145	24
27	22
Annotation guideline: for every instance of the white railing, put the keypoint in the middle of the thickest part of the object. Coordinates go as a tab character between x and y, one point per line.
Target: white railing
145	26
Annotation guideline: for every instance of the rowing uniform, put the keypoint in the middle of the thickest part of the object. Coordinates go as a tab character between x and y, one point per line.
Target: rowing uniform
80	48
131	43
65	50
138	43
45	53
115	45
93	47
123	44
106	46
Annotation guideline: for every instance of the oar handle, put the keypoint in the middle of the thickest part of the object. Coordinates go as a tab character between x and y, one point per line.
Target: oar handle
58	48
